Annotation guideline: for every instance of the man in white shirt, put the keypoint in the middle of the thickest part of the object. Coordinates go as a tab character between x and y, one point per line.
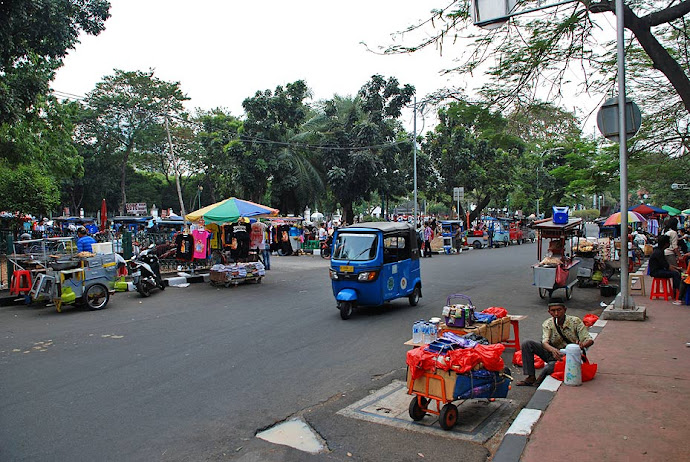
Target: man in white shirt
323	234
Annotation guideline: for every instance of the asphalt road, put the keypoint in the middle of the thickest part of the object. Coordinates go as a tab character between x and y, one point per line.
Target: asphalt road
193	373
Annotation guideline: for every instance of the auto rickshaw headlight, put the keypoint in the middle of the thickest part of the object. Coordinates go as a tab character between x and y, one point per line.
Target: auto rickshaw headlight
367	276
333	274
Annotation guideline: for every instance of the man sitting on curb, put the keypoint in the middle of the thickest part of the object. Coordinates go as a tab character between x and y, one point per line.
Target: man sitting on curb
557	332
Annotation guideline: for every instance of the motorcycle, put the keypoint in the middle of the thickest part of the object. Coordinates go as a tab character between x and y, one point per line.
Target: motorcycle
326	247
146	273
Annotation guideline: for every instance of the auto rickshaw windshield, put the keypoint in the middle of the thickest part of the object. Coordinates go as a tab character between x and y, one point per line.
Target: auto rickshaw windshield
355	246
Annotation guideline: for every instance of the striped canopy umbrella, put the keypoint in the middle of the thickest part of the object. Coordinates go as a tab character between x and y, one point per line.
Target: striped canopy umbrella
231	210
615	219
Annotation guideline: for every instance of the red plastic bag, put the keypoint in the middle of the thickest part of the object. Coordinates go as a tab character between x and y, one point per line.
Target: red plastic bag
589	370
561	275
590	319
497	311
517	360
490	355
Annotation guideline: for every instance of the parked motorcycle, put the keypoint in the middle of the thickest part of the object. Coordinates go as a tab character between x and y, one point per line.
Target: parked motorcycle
146	272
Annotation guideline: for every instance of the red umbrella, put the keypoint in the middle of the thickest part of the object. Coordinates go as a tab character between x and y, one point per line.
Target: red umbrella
104	216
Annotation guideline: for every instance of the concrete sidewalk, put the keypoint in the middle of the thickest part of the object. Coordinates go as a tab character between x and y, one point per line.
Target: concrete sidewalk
638	405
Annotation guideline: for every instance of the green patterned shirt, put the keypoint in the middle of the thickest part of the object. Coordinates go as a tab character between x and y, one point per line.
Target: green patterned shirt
573	328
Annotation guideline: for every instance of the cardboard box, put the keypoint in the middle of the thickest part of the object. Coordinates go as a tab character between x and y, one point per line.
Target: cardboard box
419	385
499	330
648	249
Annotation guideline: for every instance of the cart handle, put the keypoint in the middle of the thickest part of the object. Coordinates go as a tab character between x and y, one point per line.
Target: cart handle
452	296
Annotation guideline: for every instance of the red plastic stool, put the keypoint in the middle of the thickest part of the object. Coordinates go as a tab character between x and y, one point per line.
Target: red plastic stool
21	282
661	287
514	343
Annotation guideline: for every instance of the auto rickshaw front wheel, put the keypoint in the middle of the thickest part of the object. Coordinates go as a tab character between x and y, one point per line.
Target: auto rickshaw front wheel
346	309
96	297
414	296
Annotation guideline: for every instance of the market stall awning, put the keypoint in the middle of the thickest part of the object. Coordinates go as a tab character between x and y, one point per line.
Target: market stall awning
646	209
230	210
671	210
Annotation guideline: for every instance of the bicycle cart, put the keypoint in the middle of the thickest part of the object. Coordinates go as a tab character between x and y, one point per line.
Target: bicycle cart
445	387
549	277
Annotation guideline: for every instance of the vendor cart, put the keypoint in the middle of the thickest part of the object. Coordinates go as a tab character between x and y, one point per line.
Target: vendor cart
84	278
545	275
235	274
444	387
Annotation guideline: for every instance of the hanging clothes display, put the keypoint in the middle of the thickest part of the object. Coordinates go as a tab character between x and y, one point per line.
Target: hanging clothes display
200	240
184	245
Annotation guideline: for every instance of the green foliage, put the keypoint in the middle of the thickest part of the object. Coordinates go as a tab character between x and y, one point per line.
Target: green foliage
35	36
27	189
470	148
122	113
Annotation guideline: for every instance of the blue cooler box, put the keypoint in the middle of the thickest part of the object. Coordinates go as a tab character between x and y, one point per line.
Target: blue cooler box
560	215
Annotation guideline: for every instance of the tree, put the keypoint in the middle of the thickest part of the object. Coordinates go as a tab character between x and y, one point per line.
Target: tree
35	36
544	51
470	149
122	110
360	142
219	145
270	159
39	147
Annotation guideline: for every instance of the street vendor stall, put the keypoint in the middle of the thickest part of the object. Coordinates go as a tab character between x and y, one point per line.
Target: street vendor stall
72	278
456	363
230	218
558	269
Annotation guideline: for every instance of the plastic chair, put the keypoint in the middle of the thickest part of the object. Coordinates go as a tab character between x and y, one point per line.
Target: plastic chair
21	282
661	287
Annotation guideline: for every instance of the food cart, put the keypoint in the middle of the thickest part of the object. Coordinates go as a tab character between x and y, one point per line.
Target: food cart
548	273
83	278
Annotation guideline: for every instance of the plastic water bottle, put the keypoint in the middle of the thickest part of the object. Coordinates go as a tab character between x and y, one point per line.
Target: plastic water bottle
433	332
425	332
416	332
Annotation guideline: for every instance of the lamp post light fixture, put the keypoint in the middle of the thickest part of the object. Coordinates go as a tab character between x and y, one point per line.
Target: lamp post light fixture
198	193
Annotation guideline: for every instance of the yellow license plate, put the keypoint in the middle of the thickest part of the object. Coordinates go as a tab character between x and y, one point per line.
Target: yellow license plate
347	269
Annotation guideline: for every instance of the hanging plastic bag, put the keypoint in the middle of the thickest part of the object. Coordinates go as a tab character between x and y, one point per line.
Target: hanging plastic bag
517	360
561	275
590	319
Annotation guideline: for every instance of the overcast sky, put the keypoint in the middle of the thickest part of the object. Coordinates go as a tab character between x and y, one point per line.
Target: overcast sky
223	51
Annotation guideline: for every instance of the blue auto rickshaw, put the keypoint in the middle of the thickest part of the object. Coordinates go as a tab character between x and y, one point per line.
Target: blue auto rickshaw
374	263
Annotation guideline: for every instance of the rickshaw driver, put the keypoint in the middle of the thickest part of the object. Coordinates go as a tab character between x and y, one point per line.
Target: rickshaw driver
557	331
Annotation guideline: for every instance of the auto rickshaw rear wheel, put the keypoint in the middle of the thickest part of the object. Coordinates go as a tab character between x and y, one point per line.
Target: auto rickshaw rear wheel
448	416
416	410
414	297
346	309
96	297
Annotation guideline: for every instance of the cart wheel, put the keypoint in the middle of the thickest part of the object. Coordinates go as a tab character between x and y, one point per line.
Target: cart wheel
568	293
543	292
258	281
477	245
418	412
96	297
346	309
448	416
414	297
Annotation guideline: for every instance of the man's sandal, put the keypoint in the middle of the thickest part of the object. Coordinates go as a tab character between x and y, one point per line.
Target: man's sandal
525	383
